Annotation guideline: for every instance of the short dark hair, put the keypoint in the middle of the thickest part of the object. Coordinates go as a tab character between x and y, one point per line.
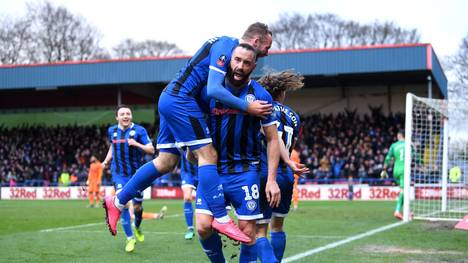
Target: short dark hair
257	29
249	48
402	132
120	106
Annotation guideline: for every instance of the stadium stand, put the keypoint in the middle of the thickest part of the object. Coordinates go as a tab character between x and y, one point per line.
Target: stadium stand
336	142
333	146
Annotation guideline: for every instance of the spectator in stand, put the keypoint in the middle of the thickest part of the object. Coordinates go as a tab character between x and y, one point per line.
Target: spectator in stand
65	177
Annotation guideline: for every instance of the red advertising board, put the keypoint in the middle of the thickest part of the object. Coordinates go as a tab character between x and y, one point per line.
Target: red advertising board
166	193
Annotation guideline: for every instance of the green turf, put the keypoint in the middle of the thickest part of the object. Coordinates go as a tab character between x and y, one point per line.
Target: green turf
315	224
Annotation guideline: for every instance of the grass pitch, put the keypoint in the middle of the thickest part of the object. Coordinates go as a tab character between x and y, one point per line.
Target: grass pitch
67	231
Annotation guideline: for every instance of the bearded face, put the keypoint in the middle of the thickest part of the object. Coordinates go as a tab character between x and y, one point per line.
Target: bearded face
241	66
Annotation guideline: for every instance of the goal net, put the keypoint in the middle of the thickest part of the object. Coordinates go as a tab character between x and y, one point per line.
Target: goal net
436	171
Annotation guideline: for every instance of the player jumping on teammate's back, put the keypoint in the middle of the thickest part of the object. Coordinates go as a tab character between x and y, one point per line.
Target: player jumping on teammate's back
235	137
182	124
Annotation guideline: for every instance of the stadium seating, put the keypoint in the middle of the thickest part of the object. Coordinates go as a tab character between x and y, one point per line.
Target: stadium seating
332	146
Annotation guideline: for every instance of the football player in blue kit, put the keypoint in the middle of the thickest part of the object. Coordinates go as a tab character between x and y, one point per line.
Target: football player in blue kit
128	143
236	139
189	177
288	124
182	124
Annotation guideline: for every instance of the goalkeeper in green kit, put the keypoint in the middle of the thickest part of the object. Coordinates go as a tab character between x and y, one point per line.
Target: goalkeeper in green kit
397	152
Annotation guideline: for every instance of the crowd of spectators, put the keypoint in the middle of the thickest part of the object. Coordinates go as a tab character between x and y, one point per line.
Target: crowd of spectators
38	155
334	147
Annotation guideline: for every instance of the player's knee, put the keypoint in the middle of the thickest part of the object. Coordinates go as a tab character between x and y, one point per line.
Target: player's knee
188	199
276	224
248	227
165	162
137	207
206	155
204	228
261	230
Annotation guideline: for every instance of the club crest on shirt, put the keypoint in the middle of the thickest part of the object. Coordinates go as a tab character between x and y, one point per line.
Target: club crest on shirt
250	98
132	133
251	205
221	60
115	134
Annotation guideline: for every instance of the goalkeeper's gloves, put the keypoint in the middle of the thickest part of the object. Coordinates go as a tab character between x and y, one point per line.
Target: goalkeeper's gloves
384	174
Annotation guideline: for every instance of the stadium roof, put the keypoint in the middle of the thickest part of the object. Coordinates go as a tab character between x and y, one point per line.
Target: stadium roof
384	64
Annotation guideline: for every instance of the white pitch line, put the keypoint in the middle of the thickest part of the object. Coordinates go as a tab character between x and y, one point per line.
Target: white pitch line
86	225
100	232
70	227
317	236
341	242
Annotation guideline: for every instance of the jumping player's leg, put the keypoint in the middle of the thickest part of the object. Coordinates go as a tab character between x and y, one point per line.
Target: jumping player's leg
187	124
209	182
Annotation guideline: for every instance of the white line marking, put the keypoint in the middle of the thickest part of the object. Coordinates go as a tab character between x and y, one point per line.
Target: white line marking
92	224
341	242
317	236
100	232
170	216
70	227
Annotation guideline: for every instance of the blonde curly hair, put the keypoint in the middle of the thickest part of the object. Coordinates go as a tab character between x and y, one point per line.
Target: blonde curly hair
277	82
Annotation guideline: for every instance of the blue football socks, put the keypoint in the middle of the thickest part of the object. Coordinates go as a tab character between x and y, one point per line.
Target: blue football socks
248	253
213	248
126	223
188	212
278	242
265	251
138	217
210	185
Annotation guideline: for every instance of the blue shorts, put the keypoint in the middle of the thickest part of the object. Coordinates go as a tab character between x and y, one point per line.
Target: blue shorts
182	124
188	180
120	182
242	191
286	184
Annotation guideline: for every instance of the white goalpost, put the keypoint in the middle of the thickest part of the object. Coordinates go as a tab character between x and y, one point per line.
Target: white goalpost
436	159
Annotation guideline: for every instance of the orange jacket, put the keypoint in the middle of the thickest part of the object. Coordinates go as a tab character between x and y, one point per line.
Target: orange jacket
295	156
95	173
